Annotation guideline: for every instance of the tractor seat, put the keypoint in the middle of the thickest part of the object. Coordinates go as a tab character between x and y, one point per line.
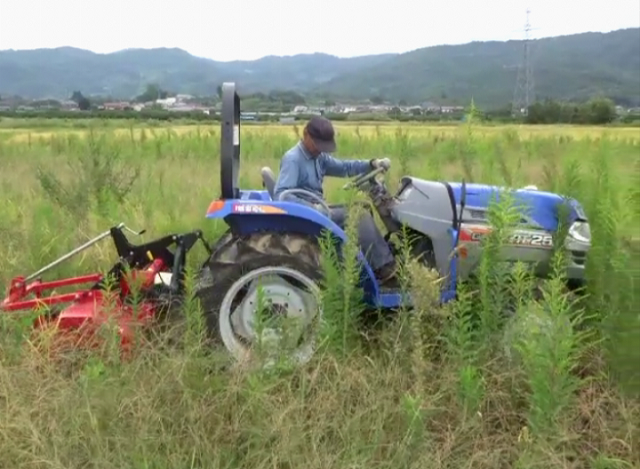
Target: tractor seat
268	180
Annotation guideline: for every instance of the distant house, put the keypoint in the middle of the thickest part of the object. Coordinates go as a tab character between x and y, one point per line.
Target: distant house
69	105
412	109
380	108
117	106
166	103
181	107
10	103
431	107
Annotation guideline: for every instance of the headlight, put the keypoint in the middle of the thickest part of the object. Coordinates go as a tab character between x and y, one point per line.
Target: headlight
580	231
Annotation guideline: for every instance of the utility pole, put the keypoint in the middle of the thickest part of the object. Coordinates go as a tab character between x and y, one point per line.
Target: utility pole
524	94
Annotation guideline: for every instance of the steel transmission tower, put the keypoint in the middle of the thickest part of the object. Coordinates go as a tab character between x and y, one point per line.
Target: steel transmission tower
524	94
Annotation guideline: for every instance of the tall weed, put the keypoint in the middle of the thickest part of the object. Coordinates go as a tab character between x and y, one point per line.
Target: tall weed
511	374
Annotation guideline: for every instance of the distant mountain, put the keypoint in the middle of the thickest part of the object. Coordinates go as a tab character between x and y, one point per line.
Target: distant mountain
56	73
567	67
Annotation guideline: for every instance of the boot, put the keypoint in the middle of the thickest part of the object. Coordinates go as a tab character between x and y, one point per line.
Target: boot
387	275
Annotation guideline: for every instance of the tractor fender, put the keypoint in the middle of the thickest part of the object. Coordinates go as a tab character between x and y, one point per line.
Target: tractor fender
251	216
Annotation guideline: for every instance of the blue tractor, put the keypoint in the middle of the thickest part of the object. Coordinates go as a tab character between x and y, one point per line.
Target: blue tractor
270	254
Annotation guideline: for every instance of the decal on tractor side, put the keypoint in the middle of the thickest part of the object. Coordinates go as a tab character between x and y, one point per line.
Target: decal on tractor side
536	240
256	208
517	239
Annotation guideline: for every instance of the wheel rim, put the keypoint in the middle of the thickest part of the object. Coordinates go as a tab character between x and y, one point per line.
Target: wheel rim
253	309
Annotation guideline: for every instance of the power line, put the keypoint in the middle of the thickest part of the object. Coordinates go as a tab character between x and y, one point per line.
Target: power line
524	94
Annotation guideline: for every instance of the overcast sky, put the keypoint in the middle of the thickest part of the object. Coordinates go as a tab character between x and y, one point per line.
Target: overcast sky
250	29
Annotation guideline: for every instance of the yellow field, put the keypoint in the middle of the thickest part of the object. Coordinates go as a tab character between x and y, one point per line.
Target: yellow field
364	128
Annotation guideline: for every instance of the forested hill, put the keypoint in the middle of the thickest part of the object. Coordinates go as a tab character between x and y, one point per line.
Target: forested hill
56	73
565	67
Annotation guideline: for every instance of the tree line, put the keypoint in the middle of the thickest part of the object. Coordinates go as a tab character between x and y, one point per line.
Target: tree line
596	111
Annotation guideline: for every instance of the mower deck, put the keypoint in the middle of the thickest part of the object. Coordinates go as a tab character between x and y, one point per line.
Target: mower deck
134	292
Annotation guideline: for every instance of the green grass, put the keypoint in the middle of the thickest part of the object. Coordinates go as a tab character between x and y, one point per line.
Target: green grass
427	390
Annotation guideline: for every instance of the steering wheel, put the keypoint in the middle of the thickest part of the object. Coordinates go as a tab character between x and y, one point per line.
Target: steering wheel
359	181
319	200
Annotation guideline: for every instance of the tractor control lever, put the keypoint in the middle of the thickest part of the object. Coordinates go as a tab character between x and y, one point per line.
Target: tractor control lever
358	181
137	233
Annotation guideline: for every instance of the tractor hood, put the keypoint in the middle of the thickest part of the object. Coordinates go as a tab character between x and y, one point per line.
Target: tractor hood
538	207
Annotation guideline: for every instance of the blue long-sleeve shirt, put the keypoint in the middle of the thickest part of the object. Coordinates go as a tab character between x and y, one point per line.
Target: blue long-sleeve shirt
299	170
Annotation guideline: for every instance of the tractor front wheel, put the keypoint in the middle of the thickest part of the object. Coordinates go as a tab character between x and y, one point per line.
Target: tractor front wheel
262	295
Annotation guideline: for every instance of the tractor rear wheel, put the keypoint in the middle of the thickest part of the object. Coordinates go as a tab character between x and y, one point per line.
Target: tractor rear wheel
252	284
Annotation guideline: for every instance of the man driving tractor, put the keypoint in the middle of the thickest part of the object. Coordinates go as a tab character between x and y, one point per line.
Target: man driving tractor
304	167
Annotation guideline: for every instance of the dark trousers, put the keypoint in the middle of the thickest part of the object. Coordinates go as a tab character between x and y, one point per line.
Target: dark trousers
371	241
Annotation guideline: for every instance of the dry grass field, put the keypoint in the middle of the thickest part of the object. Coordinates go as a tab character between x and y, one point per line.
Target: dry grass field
418	393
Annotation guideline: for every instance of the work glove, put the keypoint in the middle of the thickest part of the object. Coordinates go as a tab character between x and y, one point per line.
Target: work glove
381	163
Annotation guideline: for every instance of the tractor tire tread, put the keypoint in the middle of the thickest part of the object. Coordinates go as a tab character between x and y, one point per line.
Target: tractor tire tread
246	253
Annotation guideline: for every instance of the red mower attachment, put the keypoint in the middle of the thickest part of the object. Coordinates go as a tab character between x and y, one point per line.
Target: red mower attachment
141	286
